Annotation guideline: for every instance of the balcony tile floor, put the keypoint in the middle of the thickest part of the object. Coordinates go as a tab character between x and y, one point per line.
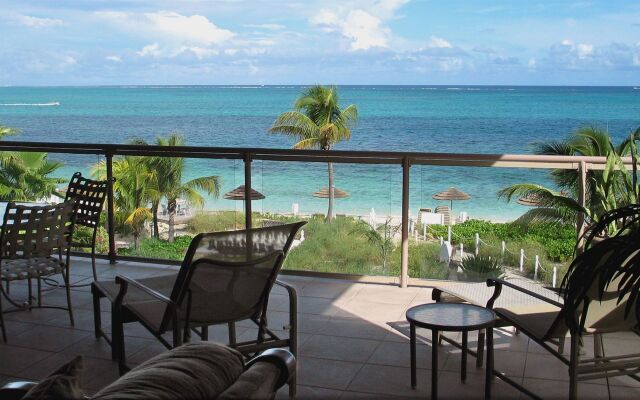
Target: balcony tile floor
352	343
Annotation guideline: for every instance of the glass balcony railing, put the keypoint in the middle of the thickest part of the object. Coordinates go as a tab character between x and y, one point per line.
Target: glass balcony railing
385	221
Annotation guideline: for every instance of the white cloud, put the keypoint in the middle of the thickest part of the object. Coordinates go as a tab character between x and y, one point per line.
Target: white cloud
195	28
170	26
150	50
270	27
439	43
36	22
364	26
116	59
584	50
364	30
200	52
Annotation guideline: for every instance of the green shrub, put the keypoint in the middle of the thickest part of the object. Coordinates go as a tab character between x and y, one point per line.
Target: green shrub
423	261
161	249
84	235
478	268
557	241
335	247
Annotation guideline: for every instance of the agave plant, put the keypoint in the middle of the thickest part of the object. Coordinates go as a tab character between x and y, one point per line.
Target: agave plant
478	268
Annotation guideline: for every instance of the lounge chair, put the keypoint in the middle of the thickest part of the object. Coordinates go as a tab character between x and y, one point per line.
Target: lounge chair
588	312
444	210
225	277
197	370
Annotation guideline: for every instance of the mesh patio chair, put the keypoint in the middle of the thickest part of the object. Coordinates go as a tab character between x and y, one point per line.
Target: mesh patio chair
225	277
89	196
585	314
35	243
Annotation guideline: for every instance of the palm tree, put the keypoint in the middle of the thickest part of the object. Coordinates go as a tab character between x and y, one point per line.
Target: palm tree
166	178
605	190
25	176
318	122
7	131
133	192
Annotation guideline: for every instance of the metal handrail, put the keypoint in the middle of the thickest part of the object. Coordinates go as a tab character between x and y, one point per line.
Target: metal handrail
344	156
405	159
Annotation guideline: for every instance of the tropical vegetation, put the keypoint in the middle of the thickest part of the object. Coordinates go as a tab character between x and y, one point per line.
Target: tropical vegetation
166	182
132	194
381	237
479	267
606	189
318	122
26	176
141	183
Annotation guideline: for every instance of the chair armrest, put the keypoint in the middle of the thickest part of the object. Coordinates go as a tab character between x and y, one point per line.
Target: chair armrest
281	358
15	390
293	296
125	281
498	283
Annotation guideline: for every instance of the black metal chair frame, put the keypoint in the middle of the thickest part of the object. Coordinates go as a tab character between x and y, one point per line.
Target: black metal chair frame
89	196
590	368
13	247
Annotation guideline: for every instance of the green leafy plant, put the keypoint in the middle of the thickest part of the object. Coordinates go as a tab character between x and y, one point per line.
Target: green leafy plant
606	190
381	237
477	268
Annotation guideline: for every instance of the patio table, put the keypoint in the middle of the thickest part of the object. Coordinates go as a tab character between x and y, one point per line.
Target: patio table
451	317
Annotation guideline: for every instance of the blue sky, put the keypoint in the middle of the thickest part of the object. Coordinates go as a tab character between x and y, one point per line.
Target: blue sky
99	42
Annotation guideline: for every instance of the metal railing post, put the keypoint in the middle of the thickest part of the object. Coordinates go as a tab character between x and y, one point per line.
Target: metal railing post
404	260
110	209
247	191
582	199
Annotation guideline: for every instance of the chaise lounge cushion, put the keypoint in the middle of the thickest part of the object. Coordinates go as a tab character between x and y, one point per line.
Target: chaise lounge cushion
192	371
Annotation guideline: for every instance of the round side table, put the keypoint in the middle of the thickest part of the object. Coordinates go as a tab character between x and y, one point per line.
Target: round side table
451	317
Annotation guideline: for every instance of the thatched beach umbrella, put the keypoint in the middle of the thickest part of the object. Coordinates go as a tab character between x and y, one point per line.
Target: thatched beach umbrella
451	194
533	200
530	200
238	194
337	193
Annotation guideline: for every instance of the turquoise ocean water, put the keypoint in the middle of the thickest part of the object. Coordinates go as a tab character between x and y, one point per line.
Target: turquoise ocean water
464	119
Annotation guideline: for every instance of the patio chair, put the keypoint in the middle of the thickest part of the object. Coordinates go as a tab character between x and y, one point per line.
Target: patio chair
35	243
225	277
588	313
89	196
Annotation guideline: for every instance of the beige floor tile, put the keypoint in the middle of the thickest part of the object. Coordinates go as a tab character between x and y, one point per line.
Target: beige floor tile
339	348
382	380
329	374
15	359
560	389
399	355
351	327
309	392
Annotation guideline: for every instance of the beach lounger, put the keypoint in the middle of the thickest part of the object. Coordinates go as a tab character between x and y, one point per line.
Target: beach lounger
446	211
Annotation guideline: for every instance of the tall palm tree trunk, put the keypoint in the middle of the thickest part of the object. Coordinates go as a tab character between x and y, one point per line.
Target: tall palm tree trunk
171	208
329	217
156	230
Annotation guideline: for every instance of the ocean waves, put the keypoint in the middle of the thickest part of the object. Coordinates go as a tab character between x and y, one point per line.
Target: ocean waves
50	104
